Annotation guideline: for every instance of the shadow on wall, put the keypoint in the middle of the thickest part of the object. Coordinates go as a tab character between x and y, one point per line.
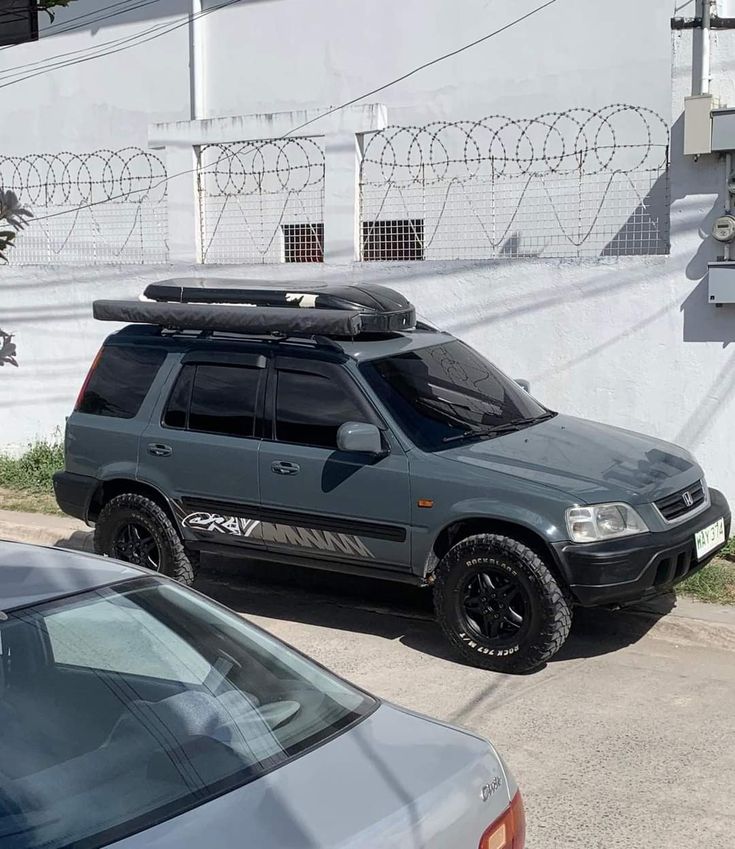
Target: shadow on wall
647	230
92	16
7	349
702	322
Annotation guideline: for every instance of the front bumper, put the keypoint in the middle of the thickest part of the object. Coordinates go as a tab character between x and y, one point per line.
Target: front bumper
632	568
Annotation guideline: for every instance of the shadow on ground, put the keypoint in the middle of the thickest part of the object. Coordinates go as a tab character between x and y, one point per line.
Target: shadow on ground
393	611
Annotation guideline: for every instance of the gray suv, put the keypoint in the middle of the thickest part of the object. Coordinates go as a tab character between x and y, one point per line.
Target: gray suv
328	428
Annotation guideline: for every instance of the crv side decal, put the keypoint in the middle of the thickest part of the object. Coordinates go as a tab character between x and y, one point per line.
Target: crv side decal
215	523
283	534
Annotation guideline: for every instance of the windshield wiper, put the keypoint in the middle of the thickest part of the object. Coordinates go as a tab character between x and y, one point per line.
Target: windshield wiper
498	430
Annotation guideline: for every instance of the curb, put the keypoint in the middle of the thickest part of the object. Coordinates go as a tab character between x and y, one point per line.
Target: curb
685	630
38	529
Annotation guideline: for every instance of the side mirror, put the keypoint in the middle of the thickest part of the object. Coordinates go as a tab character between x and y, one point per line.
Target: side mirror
524	384
359	438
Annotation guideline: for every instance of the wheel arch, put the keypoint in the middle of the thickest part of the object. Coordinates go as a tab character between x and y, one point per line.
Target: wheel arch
468	526
119	486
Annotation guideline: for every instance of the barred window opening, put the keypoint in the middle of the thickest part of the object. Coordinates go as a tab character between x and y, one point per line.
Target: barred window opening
303	242
396	240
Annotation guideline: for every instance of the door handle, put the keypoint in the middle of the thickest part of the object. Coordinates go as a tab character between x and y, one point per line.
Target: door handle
159	450
283	467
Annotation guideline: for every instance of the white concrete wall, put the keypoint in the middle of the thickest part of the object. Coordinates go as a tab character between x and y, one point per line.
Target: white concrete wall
631	341
575	53
274	55
103	103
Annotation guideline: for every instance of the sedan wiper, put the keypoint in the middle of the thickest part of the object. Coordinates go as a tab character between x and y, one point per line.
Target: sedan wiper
497	430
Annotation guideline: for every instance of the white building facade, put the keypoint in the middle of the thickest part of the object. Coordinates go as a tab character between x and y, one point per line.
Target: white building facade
530	194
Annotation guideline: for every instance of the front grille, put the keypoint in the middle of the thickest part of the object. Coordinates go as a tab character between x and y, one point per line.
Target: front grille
681	503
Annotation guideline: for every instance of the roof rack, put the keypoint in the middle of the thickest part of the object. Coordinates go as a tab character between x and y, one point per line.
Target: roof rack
341	311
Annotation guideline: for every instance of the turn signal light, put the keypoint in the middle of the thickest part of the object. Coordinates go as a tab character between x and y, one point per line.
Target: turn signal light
509	830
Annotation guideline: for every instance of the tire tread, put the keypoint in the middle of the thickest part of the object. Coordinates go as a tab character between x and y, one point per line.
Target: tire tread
557	618
178	567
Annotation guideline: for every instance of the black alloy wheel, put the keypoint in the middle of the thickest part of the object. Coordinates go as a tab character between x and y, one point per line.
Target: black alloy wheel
135	544
495	607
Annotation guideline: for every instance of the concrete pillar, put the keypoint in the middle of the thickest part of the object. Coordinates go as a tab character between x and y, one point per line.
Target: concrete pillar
184	233
341	198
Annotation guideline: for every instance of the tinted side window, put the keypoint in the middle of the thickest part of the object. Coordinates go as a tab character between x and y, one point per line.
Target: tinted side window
223	400
177	408
310	409
120	381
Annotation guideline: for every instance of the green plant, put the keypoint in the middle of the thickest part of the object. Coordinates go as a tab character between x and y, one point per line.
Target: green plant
729	550
716	582
48	6
33	471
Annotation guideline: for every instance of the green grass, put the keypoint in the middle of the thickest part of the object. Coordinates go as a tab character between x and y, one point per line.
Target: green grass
26	481
716	582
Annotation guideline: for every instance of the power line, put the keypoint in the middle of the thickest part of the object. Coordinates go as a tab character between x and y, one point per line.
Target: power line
137	4
58	61
422	67
121	44
61	24
62	27
334	109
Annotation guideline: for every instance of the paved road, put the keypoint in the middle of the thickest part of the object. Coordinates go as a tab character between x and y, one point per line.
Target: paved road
625	740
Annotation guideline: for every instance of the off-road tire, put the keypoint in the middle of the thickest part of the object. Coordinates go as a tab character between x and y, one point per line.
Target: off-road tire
129	507
195	558
549	610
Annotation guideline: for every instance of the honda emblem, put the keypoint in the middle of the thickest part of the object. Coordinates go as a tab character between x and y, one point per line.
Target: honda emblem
687	499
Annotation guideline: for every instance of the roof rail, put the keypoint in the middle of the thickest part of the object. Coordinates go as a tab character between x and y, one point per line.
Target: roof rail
339	311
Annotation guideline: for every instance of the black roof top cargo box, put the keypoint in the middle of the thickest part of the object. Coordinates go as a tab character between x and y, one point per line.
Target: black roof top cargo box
345	311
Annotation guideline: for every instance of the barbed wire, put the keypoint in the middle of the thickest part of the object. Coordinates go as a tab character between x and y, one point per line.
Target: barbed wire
72	179
249	191
271	166
618	138
117	201
576	183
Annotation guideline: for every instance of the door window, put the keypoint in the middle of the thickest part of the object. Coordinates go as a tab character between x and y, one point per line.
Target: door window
214	399
311	407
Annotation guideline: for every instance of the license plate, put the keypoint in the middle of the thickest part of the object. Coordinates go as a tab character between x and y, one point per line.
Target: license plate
709	538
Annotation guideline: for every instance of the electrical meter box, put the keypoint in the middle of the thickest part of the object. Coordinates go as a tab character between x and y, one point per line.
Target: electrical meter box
698	124
722	282
723	130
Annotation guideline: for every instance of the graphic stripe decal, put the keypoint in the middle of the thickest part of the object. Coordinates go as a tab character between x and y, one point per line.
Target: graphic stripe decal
334	524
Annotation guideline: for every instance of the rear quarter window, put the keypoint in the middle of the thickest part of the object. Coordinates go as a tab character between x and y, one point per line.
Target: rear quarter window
120	381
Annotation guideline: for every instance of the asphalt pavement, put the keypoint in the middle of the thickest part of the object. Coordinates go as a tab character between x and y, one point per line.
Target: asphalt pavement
625	739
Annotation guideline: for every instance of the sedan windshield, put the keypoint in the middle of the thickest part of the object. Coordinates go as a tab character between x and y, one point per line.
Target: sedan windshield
130	704
449	393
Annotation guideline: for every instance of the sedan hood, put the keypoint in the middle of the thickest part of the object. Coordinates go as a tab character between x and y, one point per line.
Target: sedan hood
394	781
592	462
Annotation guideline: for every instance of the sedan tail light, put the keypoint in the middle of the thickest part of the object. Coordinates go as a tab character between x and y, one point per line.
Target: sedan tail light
509	830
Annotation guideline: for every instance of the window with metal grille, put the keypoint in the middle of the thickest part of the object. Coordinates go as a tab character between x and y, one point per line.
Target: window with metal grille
398	240
18	21
303	242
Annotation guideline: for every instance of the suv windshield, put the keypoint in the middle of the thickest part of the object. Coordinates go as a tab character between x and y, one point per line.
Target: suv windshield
448	393
127	705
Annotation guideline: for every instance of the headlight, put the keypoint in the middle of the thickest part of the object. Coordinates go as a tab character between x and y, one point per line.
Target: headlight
603	521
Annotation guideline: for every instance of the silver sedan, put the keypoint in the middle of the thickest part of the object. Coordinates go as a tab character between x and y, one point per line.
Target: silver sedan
138	713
